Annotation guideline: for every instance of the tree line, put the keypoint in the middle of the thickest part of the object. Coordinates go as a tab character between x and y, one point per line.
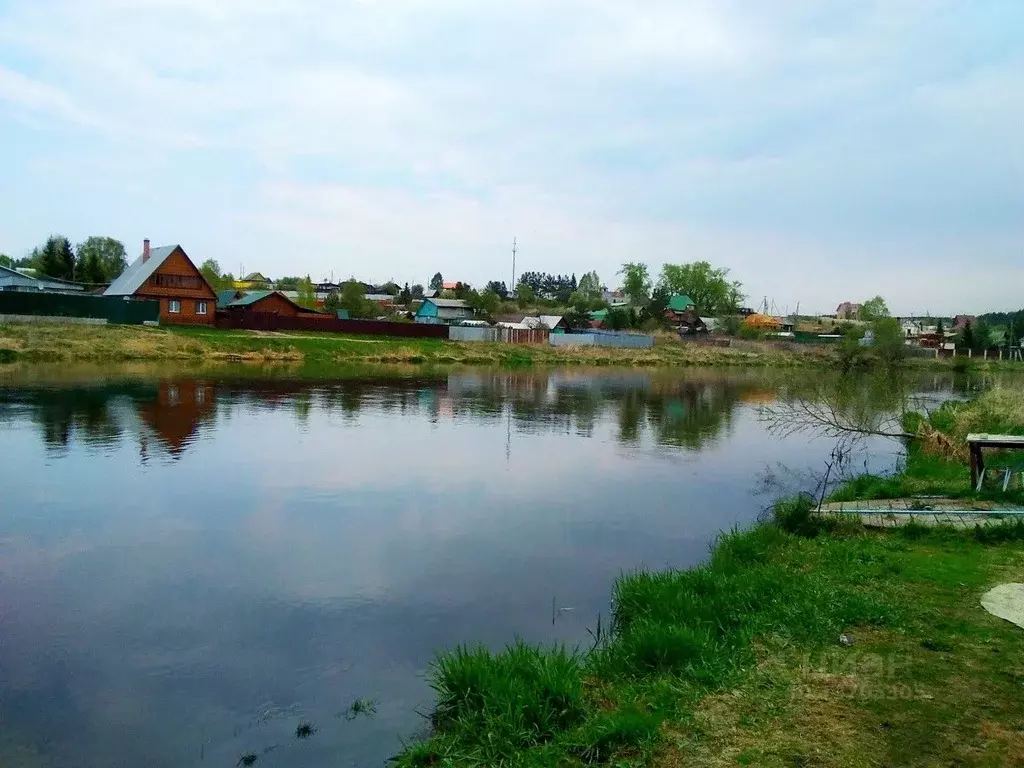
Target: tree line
96	260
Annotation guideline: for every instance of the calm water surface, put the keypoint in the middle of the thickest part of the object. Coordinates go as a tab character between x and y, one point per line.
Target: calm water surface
189	567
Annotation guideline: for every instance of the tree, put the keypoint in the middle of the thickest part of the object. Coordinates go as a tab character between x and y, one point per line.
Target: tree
288	283
484	303
499	288
102	259
462	290
353	298
211	271
391	288
890	346
590	286
525	295
416	291
872	309
617	319
938	327
307	294
405	296
982	337
436	282
578	318
6	261
636	283
709	288
655	309
967	336
56	258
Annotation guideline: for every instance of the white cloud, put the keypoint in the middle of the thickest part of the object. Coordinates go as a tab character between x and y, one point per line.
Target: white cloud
596	131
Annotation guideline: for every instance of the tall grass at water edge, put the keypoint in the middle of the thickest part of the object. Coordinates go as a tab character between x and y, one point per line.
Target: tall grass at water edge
676	636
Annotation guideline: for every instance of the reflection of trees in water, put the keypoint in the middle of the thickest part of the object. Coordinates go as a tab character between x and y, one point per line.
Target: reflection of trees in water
62	416
172	414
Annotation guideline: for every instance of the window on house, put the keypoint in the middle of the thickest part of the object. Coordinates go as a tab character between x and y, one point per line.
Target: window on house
174	306
200	307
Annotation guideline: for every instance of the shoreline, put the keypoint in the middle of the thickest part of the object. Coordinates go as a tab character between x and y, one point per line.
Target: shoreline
57	343
805	640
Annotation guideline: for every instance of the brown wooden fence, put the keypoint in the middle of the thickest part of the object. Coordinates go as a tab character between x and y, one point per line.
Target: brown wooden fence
269	321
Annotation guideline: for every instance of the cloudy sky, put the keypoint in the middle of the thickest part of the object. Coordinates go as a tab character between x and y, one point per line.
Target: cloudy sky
823	150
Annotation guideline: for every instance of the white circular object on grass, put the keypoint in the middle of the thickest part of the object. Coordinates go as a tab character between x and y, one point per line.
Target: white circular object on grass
1007	602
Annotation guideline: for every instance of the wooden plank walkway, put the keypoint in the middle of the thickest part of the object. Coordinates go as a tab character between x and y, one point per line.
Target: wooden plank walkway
892	513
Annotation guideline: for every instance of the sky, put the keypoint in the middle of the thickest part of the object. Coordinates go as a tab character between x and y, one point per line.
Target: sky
821	150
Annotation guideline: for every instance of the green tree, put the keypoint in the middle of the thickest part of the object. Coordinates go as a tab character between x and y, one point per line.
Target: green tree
102	259
288	283
872	309
590	286
416	291
654	312
889	345
636	283
405	296
307	293
391	288
353	298
211	271
484	303
525	296
709	288
333	302
437	282
578	318
982	336
851	353
967	336
6	261
938	327
617	319
56	258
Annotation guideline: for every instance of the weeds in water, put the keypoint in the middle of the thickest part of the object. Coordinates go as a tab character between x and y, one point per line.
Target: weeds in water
304	730
247	759
366	707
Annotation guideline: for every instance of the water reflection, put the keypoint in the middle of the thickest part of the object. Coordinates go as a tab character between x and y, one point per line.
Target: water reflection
193	567
169	416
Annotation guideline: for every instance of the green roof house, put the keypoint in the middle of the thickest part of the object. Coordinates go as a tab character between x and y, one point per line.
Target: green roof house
680	303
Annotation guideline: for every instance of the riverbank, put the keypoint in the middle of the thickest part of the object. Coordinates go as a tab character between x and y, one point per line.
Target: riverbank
78	343
804	641
936	462
837	647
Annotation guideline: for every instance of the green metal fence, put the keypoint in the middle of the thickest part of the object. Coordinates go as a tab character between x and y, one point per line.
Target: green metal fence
113	309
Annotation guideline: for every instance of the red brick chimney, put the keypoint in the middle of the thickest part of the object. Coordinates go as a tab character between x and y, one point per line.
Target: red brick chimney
145	250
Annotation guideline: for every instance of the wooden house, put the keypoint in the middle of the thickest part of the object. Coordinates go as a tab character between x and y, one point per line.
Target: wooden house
444	311
273	302
167	274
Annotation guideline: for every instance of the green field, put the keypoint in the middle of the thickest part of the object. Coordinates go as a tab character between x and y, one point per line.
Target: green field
66	343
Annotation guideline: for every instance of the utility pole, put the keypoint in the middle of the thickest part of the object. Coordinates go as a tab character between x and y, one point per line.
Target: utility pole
512	287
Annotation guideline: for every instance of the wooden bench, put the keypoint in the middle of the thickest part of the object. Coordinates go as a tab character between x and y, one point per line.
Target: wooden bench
976	443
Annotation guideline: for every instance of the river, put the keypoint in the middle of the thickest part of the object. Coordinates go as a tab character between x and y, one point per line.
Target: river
192	566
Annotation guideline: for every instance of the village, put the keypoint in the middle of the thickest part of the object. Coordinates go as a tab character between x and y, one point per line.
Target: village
165	286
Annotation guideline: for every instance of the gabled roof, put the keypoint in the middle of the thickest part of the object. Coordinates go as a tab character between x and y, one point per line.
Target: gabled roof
449	303
252	297
255	277
226	297
41	283
139	271
680	303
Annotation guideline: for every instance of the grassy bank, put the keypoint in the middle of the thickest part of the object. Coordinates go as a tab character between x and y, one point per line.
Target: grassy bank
739	662
937	460
66	343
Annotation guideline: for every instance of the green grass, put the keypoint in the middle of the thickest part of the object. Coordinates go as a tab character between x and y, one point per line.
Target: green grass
67	343
718	665
932	468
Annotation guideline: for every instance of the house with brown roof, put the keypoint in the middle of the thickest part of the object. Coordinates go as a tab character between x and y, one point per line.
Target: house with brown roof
848	310
167	274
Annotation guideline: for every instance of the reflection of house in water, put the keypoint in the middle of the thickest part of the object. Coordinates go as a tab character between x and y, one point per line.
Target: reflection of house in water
174	417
